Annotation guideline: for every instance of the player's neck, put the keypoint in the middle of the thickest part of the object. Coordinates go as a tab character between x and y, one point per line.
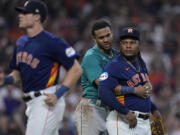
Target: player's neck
131	59
31	32
108	52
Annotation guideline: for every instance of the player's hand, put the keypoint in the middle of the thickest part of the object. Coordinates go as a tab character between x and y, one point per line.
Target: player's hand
141	91
131	119
117	90
157	115
51	99
148	88
2	77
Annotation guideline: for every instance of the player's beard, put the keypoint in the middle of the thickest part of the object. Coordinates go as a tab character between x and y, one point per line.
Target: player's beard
106	50
131	58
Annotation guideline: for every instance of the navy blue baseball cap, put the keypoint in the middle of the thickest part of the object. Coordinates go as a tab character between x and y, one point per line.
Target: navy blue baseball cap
130	32
34	7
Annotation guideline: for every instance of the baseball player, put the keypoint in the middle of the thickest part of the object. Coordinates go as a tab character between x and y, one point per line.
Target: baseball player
90	114
36	61
130	113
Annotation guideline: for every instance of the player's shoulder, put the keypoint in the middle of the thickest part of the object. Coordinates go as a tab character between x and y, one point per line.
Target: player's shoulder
54	41
116	60
49	37
115	63
90	56
21	40
92	52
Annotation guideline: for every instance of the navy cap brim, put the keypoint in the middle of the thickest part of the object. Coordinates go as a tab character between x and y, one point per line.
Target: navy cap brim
21	10
129	36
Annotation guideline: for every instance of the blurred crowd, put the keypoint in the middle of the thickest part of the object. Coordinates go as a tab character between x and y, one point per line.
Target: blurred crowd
159	22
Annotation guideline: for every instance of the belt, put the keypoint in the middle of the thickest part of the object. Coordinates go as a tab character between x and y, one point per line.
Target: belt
95	101
29	97
98	102
143	116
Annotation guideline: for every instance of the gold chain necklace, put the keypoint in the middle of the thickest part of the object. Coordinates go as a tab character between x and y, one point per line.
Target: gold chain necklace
137	70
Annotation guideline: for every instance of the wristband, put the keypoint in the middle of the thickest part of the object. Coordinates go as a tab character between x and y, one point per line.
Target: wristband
8	80
127	90
61	91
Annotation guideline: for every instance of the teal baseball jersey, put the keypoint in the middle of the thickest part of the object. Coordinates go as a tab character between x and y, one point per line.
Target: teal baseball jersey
92	65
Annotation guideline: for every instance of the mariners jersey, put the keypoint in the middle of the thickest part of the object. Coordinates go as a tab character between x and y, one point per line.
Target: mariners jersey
38	60
119	71
92	65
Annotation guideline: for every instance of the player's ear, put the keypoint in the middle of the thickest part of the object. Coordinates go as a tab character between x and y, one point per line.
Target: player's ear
37	17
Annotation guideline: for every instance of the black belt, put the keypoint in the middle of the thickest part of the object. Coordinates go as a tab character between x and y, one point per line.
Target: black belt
27	98
143	116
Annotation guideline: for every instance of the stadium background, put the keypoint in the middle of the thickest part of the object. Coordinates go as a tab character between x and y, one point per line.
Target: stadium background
159	21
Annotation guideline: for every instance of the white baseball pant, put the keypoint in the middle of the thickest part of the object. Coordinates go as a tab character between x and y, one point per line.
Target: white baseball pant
117	125
42	119
89	118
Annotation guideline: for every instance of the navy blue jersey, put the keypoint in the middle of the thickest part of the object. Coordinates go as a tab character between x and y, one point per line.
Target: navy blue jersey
119	71
38	60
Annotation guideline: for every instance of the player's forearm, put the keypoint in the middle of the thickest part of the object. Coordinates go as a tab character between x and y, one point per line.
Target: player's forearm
123	90
70	79
72	75
16	77
12	78
141	90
